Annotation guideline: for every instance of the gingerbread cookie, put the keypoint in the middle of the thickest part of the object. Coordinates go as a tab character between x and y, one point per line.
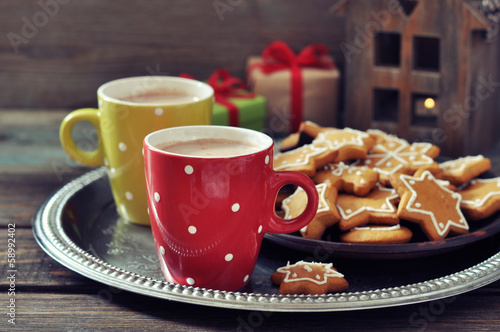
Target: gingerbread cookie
433	207
381	136
396	155
350	143
462	170
309	278
444	183
305	135
312	129
283	193
377	207
326	216
305	159
480	198
396	234
347	178
293	141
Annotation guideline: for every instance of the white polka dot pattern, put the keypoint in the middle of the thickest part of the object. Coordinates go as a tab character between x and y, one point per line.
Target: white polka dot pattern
122	146
159	111
157	197
189	169
235	207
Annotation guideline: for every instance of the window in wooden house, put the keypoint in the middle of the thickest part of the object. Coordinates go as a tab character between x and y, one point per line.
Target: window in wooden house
426	53
387	49
385	105
425	110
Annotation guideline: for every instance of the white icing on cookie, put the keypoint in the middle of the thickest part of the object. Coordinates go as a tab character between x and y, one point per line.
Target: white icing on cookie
481	201
383	134
459	165
339	169
322	203
317	279
405	155
356	138
387	207
415	207
380	228
306	152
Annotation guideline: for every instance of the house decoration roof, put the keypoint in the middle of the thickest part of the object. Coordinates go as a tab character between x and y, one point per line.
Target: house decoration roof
486	12
491	10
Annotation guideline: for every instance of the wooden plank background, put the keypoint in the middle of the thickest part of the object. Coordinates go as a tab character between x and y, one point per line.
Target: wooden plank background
56	53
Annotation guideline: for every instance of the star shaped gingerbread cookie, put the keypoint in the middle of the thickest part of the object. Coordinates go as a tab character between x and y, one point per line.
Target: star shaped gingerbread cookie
350	143
481	198
378	207
347	178
396	234
462	170
307	132
305	159
396	155
309	278
326	215
425	201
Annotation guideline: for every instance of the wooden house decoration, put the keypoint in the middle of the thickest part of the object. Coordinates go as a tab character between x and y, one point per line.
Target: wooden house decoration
424	70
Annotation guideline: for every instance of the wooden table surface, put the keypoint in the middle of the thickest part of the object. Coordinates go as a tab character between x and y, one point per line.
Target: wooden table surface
50	297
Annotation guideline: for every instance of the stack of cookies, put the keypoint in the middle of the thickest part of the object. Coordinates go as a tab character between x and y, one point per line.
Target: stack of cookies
372	185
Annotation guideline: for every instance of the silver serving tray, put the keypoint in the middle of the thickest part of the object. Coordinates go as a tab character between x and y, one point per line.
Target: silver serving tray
79	227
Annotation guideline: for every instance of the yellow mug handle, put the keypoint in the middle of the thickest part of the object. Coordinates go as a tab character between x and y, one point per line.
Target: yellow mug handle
89	158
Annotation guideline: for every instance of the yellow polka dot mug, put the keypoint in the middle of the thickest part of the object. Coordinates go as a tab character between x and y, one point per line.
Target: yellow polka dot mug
211	193
129	109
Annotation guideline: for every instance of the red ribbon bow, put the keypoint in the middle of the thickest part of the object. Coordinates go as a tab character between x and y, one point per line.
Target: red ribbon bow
226	87
279	56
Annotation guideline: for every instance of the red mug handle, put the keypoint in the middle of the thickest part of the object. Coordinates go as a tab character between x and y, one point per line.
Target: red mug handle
278	180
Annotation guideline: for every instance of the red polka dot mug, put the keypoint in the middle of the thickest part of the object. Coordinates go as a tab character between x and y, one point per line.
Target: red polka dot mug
211	196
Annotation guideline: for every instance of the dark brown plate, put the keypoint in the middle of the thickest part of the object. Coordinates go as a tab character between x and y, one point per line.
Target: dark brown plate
419	247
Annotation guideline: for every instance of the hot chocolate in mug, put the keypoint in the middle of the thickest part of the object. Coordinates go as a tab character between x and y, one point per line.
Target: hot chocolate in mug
129	109
211	193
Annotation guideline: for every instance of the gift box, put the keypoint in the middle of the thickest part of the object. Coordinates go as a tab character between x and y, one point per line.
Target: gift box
234	104
251	113
296	87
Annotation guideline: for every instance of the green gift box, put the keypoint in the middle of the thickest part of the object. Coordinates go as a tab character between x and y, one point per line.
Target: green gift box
234	104
251	113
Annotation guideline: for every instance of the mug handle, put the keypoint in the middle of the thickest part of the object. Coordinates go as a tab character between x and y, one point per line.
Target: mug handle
278	180
89	158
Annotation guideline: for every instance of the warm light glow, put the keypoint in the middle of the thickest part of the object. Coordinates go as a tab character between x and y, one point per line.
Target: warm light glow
429	103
